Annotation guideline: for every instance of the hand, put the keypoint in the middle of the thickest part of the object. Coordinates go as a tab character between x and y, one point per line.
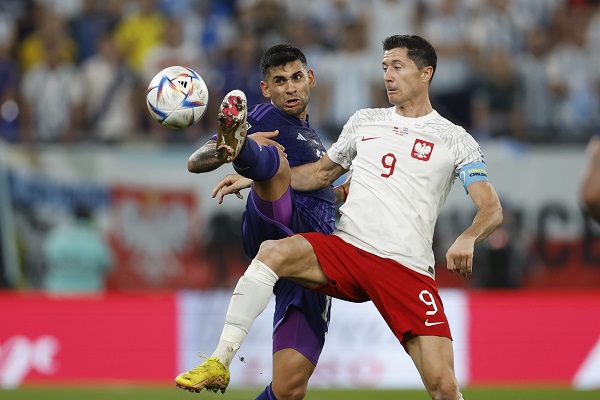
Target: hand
264	139
341	192
459	257
231	184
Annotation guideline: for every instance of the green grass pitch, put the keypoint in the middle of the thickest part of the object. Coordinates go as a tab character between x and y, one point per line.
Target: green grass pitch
168	393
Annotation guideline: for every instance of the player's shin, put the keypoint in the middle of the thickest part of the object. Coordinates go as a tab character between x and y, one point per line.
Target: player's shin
256	162
249	299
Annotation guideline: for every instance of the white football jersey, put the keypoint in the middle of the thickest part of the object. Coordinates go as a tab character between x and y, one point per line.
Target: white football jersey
402	171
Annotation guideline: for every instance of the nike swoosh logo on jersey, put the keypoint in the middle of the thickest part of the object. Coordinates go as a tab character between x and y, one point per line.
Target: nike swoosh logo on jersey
427	323
364	139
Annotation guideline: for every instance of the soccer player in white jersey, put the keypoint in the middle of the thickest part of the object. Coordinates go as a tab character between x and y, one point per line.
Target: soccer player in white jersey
404	160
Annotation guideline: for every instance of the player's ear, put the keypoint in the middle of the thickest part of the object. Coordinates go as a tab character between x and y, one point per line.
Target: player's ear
312	81
265	89
426	74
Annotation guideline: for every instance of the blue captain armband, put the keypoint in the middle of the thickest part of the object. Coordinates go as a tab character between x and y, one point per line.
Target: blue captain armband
472	172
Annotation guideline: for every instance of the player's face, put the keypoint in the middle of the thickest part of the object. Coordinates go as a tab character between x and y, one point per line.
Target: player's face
288	86
404	81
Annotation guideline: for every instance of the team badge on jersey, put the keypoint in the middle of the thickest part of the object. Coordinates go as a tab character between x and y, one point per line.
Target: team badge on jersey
422	150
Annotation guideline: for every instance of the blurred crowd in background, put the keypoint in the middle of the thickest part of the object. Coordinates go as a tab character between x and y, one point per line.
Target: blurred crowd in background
77	70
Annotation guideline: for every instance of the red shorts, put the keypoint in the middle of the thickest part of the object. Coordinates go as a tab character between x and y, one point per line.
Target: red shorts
408	301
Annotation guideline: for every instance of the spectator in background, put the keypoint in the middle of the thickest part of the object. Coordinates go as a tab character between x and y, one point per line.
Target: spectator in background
535	12
446	27
215	28
239	69
110	94
331	16
51	98
496	25
495	111
593	32
265	19
303	33
590	186
87	27
77	257
349	79
139	32
574	79
464	31
390	17
178	8
173	49
535	101
9	81
46	26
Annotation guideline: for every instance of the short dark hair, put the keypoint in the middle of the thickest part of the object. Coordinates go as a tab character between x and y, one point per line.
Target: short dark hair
279	55
420	51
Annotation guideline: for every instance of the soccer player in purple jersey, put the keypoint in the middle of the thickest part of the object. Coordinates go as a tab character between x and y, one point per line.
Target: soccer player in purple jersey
274	211
404	160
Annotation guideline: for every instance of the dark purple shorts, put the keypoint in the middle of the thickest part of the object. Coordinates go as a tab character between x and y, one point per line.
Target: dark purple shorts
295	333
298	321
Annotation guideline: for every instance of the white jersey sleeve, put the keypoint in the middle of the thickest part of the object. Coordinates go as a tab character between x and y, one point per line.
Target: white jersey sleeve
344	150
463	147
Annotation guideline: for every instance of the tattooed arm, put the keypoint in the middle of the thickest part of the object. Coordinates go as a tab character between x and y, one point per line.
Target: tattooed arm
204	159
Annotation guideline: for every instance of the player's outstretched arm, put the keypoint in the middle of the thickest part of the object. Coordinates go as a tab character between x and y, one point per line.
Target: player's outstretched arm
459	257
231	184
316	175
204	159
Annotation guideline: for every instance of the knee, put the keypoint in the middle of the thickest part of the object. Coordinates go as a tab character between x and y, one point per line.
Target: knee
443	388
291	257
269	253
273	254
289	391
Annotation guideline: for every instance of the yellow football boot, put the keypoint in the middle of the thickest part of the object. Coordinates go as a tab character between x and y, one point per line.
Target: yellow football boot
210	375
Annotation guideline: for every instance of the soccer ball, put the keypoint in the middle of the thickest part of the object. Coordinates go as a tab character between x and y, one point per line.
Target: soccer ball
177	97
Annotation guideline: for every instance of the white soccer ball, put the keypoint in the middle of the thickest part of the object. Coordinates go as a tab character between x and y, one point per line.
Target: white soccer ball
177	97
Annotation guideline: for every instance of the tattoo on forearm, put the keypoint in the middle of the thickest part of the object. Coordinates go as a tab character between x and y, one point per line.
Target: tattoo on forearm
205	159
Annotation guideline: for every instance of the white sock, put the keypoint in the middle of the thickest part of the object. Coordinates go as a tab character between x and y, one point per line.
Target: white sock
249	299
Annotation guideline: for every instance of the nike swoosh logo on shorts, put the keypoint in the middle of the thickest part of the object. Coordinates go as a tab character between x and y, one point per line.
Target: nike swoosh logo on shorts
427	323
